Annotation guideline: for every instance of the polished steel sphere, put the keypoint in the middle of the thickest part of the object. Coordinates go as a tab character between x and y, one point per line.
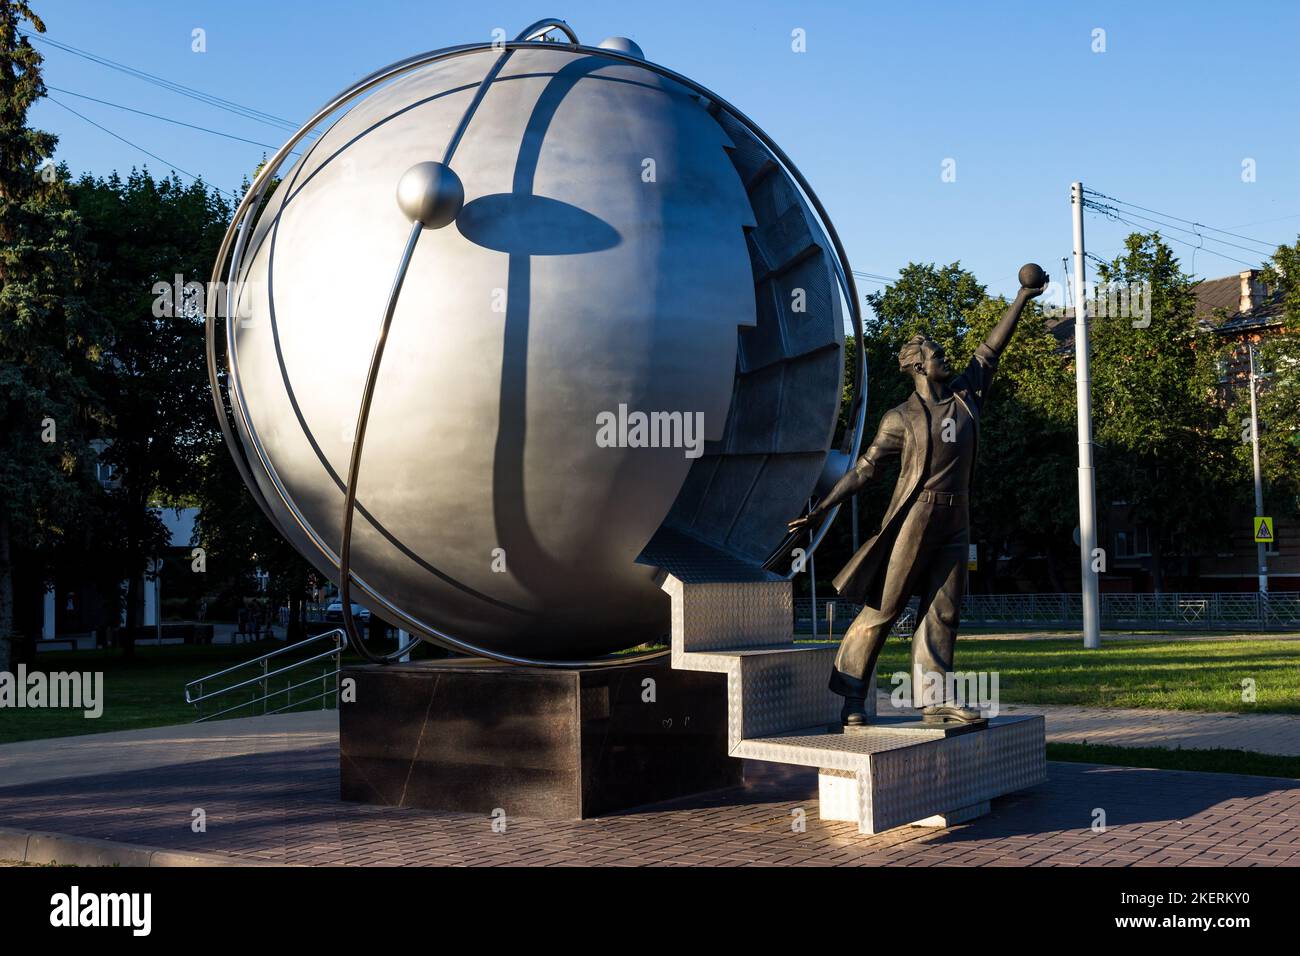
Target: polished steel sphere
612	249
431	194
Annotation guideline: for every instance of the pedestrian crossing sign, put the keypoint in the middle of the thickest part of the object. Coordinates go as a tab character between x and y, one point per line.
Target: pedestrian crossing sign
1263	530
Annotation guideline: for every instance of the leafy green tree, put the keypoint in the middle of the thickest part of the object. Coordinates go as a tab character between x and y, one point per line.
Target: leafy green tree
1279	390
925	298
46	341
935	300
151	373
1025	498
1164	442
237	539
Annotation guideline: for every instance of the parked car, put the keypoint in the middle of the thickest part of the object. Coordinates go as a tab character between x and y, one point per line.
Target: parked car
334	612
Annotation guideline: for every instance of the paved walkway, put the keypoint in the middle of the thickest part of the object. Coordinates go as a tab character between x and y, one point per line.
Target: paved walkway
281	806
1277	734
35	761
269	789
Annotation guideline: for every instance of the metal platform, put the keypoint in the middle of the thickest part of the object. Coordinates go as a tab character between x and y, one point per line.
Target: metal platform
779	710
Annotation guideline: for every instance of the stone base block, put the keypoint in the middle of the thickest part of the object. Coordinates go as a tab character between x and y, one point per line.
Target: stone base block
476	736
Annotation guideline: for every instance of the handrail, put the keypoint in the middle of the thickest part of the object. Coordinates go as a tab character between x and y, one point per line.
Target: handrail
194	689
269	654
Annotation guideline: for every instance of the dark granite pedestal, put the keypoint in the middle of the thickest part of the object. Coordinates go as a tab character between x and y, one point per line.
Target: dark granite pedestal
471	735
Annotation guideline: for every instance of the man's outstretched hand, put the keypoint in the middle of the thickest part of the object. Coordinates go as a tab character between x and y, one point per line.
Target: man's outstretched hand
802	522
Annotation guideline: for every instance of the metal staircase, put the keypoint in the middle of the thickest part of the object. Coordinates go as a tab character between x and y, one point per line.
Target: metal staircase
780	710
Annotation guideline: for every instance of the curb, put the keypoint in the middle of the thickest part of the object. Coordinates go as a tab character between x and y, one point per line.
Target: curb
33	846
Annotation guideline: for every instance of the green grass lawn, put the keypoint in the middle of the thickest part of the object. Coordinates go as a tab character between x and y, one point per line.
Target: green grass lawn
1160	758
1170	675
149	691
1165	675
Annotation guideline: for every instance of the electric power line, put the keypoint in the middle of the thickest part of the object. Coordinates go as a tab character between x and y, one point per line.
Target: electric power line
1165	225
1111	213
1191	222
247	112
137	146
165	119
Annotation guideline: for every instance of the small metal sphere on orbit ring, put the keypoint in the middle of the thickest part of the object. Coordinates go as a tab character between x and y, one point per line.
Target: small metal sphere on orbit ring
430	194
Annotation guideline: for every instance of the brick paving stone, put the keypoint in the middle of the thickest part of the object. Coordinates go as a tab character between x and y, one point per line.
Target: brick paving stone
281	804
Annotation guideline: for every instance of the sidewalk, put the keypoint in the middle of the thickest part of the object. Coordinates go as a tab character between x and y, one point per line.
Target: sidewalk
1109	636
1277	734
269	791
34	761
130	751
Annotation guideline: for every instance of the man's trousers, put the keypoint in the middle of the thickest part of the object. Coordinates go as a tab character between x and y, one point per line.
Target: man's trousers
929	561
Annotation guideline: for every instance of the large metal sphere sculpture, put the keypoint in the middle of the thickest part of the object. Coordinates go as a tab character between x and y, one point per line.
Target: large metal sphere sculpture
585	316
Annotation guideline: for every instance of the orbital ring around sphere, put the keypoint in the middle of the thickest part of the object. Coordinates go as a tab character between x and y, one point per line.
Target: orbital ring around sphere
299	361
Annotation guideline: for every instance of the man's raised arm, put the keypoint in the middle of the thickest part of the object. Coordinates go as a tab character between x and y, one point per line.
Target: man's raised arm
1033	280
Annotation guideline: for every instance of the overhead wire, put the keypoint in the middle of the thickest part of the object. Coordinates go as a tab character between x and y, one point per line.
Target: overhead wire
1195	223
210	99
1112	213
165	119
137	146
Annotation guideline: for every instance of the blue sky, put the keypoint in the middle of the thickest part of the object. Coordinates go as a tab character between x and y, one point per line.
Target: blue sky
883	95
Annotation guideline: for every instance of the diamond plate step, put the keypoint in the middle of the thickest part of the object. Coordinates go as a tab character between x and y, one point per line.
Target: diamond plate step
891	779
771	689
779	708
707	615
745	630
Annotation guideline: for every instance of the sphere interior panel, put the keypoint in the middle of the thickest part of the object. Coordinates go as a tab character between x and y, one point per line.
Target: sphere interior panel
739	496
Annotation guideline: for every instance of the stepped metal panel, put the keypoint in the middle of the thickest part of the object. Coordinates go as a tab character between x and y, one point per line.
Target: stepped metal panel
712	616
778	691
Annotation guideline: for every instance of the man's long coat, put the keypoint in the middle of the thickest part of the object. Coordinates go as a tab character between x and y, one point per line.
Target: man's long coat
905	431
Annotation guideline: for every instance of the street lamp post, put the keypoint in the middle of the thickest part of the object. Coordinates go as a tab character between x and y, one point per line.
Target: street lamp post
1260	547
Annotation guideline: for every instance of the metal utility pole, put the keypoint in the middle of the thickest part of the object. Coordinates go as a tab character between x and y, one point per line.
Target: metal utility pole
1261	548
1083	385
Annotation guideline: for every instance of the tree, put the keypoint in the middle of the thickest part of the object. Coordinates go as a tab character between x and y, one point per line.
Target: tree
925	298
237	539
1025	498
46	342
1279	391
1164	442
151	373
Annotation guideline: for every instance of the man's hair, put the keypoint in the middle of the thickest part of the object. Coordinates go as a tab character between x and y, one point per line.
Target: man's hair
909	356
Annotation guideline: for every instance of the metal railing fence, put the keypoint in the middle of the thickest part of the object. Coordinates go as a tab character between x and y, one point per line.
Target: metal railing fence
1244	610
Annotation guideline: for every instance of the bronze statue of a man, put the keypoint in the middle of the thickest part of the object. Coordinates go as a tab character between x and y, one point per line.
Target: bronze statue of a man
923	543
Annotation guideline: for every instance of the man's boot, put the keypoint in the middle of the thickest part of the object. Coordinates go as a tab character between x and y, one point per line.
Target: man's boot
854	712
966	715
